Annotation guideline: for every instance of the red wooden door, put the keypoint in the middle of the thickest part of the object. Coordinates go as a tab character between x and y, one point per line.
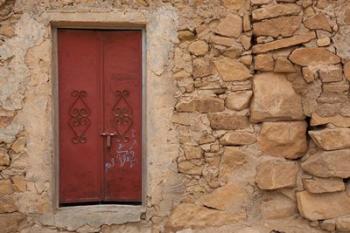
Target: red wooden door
100	116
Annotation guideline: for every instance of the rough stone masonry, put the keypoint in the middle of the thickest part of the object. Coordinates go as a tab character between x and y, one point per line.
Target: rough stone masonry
258	95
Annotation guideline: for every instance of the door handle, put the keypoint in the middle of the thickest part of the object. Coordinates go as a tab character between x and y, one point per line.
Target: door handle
108	138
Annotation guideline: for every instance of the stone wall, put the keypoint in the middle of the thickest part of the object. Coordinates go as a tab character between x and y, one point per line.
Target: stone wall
249	108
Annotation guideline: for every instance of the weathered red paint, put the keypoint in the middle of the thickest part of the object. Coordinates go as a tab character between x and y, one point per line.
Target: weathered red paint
100	93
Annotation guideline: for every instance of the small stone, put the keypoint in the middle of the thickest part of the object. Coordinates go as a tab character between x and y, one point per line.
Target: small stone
238	100
279	102
308	75
201	68
313	56
283	139
209	104
5	187
324	41
283	65
238	138
19	145
347	70
232	70
227	121
246	60
284	43
232	158
7	205
331	73
328	225
198	48
185	35
228	42
19	183
230	197
260	2
234	4
187	215
275	10
192	152
276	174
230	26
278	207
246	41
264	62
343	224
331	139
10	223
282	26
246	23
7	29
328	164
189	168
323	206
318	22
322	185
337	120
4	158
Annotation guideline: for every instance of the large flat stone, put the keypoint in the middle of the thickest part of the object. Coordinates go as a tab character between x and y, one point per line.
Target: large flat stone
284	43
232	70
275	10
187	215
313	56
329	164
274	102
283	139
238	137
323	206
230	26
322	185
227	121
282	26
331	139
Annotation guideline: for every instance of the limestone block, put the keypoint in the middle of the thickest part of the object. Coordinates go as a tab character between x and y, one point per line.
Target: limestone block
9	223
276	174
323	206
323	42
318	22
5	187
227	121
185	35
228	42
313	56
278	207
192	152
275	10
331	139
7	205
191	215
202	104
198	48
284	43
260	2
201	67
19	183
232	158
264	62
328	225
274	102
189	168
238	137
238	100
283	65
231	197
322	185
347	70
232	70
230	26
328	164
282	26
331	73
308	75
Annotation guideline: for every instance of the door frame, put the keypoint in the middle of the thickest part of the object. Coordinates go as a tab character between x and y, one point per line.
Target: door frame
55	102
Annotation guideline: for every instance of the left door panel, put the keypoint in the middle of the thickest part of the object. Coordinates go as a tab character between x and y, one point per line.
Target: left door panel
79	62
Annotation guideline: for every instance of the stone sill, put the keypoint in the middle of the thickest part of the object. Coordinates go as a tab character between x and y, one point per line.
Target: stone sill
75	217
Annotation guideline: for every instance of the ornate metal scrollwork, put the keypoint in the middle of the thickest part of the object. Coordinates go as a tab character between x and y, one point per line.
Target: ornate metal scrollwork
79	120
123	116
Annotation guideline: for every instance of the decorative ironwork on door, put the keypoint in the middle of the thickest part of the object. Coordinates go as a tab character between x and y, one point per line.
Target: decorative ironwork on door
123	115
79	120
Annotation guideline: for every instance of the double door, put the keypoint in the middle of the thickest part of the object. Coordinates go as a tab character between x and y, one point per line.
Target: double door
100	116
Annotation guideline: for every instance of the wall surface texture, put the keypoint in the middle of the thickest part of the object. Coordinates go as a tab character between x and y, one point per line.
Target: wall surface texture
247	116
